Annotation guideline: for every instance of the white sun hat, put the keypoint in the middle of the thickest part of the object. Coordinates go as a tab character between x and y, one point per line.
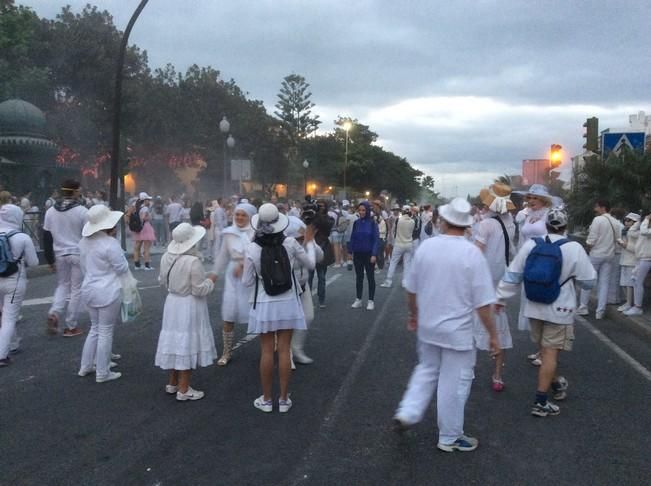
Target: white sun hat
457	212
184	237
143	196
100	218
539	190
295	228
269	220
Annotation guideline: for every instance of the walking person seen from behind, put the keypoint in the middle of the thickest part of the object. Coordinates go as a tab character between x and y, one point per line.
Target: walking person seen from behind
441	311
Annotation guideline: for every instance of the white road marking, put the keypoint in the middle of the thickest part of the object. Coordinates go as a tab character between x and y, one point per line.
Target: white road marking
328	282
49	300
636	365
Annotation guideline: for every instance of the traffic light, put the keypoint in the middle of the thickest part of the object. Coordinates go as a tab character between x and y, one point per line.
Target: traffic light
555	155
591	134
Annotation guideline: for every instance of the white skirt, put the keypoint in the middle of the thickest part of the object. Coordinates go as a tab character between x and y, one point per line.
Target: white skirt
186	339
482	339
626	278
276	316
235	301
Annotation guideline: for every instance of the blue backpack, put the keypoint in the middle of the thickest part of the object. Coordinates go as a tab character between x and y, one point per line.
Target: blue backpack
542	271
8	264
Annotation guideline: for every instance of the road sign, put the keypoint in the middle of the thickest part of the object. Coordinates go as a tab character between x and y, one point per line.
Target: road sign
240	170
615	142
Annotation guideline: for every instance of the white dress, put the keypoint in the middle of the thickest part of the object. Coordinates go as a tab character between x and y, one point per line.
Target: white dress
235	300
278	312
186	339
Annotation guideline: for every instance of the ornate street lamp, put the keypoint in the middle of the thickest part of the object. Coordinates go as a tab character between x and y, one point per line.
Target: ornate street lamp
229	142
306	165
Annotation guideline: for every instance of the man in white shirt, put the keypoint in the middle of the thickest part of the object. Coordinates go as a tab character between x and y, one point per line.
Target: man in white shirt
174	213
602	239
552	325
442	311
62	233
403	232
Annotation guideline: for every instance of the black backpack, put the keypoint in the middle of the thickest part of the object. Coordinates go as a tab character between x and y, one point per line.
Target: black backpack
135	223
275	267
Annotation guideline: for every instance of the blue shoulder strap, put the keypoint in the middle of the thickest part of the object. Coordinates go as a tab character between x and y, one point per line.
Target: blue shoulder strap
538	240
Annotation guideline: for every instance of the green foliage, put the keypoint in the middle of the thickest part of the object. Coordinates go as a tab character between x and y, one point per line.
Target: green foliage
295	107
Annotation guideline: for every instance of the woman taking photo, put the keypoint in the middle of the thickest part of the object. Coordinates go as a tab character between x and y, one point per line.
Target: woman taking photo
364	242
277	310
186	339
103	263
229	264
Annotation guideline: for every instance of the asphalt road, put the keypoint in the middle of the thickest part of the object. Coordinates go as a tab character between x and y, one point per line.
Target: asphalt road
57	428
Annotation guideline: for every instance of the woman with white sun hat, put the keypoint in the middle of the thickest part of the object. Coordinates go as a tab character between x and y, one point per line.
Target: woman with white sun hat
103	263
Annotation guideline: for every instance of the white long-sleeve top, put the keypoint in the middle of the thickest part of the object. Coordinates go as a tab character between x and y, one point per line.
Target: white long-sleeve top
218	221
186	277
643	246
234	243
305	256
603	235
403	231
628	258
576	264
22	246
301	271
65	226
103	263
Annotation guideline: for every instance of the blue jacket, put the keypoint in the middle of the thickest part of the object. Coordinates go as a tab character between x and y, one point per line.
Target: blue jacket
365	237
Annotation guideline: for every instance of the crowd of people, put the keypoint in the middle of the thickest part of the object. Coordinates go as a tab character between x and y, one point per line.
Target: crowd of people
461	264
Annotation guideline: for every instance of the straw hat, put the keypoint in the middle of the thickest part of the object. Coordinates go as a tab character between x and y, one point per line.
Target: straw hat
269	220
457	212
496	198
184	238
100	218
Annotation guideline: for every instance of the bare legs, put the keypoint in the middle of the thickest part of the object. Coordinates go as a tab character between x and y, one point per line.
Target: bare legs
547	371
267	362
137	245
180	378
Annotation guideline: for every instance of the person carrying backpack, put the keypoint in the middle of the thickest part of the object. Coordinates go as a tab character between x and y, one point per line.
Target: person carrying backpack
277	309
549	267
16	252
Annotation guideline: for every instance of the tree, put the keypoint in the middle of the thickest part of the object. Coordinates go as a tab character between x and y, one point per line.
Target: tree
295	107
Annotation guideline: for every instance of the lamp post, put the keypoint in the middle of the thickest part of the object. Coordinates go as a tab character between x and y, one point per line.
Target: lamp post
229	142
347	126
306	165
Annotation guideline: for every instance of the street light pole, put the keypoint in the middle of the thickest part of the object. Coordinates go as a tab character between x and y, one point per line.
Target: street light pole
347	127
306	165
224	128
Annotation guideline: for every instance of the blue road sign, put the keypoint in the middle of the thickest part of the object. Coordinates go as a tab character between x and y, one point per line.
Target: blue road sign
614	142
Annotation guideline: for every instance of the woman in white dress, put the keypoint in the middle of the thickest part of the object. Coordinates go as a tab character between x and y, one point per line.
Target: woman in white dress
276	314
103	264
217	225
186	339
229	264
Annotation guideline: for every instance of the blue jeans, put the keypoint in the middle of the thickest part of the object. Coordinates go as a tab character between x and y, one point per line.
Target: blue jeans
321	281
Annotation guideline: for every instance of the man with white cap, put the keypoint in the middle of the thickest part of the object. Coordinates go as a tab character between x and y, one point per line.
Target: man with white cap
62	233
442	311
403	244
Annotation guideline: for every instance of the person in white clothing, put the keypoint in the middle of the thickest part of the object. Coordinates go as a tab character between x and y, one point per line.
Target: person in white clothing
403	245
602	239
186	339
62	232
628	261
104	264
441	310
275	314
494	236
13	283
552	325
217	225
229	264
643	255
174	213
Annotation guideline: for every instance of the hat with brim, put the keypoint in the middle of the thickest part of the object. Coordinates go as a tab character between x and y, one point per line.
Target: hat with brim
184	238
143	196
100	218
496	198
538	190
269	220
633	217
457	213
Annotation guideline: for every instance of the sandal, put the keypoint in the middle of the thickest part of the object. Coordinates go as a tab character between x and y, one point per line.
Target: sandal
498	385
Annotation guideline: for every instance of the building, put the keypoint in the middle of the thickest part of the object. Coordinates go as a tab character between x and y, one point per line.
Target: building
535	171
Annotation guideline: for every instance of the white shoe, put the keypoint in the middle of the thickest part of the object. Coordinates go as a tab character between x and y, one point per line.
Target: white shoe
171	389
113	375
623	308
284	405
599	315
357	304
386	284
190	394
582	310
634	311
370	305
112	364
116	357
264	406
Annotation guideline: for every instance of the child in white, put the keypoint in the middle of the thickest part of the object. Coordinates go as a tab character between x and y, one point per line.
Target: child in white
628	260
13	287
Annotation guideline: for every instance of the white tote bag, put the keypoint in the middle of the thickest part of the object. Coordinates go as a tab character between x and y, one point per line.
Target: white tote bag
308	305
131	302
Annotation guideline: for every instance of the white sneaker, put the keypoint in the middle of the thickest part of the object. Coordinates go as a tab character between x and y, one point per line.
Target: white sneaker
171	389
357	304
370	305
261	404
115	357
599	315
386	284
623	308
284	405
634	311
112	364
190	394
582	310
113	375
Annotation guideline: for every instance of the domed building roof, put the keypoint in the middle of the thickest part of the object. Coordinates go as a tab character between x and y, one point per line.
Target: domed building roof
23	132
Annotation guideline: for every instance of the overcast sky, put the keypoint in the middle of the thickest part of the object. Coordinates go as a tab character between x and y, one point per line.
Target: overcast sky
464	89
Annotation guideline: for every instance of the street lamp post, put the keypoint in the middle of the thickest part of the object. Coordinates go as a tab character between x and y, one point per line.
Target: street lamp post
347	127
306	165
229	142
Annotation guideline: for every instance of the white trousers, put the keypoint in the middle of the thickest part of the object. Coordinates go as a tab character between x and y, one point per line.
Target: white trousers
614	290
450	374
640	273
11	288
603	267
398	253
69	279
99	342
